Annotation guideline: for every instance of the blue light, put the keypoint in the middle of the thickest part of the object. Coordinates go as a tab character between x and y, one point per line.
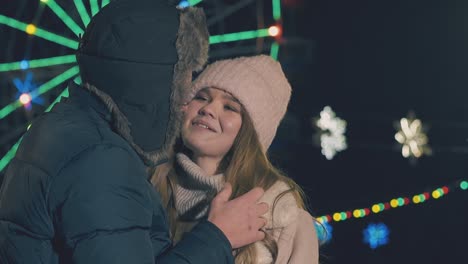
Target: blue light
27	86
324	231
376	235
183	4
24	64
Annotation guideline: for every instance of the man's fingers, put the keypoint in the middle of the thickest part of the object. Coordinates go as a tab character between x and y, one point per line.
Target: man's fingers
260	222
260	236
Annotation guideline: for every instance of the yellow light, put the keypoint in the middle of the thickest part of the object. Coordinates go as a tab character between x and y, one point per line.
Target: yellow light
274	31
357	213
44	1
25	99
31	29
416	199
436	194
375	208
394	203
337	217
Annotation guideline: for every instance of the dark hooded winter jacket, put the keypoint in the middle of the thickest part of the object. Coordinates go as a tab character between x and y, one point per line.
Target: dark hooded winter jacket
76	192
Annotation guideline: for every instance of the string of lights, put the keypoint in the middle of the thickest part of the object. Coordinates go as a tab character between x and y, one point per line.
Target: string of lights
419	198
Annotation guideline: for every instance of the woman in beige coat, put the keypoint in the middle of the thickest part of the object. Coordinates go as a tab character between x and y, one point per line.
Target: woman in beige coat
228	122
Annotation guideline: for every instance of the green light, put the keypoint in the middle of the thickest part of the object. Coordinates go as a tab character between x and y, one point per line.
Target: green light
13	23
64	17
12	66
9	108
422	198
57	80
343	216
94	7
104	3
82	11
381	206
276	9
401	201
57	39
9	156
441	191
261	33
39	32
77	80
274	50
63	94
194	2
464	185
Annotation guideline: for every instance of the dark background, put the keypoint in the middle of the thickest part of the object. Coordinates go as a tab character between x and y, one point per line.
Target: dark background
372	62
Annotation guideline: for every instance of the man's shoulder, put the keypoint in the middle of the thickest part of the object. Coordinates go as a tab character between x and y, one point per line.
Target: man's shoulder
59	136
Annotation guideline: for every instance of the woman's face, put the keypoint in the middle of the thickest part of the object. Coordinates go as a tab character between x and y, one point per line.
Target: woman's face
211	123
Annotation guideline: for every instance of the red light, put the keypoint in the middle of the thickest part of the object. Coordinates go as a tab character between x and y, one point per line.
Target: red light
445	189
367	211
427	195
407	201
349	214
387	206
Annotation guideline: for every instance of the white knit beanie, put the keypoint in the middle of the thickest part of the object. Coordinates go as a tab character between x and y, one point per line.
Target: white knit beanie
259	83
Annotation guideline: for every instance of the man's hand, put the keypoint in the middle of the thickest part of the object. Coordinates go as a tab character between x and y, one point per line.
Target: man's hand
240	219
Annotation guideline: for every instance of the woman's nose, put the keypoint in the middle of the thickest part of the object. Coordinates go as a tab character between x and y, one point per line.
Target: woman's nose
209	110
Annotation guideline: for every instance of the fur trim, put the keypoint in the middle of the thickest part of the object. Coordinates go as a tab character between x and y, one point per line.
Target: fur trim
192	49
284	211
121	126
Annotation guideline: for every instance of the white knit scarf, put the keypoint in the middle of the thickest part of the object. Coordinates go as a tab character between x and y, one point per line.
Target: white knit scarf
194	189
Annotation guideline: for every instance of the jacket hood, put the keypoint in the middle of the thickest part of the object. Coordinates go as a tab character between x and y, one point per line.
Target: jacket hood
140	55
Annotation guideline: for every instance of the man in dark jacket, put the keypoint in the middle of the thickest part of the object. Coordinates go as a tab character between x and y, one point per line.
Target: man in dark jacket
78	189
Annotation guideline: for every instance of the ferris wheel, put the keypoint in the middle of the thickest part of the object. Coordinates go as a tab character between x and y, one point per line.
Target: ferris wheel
45	34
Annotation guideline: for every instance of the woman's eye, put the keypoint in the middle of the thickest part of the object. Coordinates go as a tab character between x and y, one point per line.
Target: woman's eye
200	98
231	108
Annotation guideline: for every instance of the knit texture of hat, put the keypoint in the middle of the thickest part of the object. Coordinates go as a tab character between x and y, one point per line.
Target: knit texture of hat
260	85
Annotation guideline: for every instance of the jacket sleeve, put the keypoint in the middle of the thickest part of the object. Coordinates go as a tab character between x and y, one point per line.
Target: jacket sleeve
305	241
204	244
103	213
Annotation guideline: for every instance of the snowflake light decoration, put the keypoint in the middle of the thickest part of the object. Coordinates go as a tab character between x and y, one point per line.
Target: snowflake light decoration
376	235
332	130
25	92
412	137
324	231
